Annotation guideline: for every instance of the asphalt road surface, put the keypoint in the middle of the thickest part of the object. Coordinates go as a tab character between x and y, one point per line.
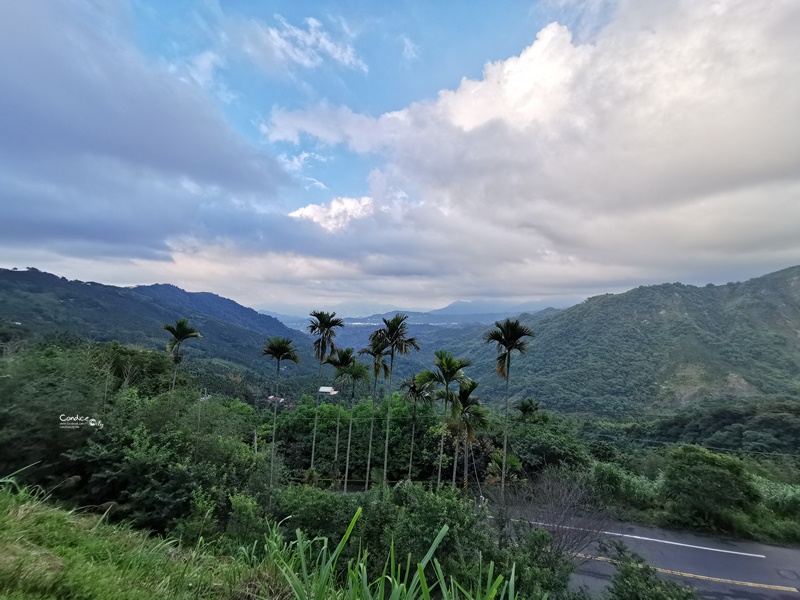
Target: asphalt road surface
718	569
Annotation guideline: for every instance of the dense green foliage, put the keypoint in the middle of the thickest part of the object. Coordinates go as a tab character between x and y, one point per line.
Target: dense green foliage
123	431
46	552
226	361
636	580
658	346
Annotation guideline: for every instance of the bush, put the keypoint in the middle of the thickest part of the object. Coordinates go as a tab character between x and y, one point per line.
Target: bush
706	489
318	513
615	485
781	498
635	579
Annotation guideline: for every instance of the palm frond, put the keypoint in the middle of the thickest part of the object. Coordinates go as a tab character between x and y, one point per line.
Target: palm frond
280	349
180	332
323	325
509	335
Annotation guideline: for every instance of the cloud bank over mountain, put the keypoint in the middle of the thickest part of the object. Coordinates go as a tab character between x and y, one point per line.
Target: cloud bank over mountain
641	142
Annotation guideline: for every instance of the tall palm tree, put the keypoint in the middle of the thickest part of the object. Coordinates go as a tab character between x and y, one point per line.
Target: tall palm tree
509	336
339	359
395	333
322	325
378	349
417	390
470	417
280	349
181	332
449	370
351	374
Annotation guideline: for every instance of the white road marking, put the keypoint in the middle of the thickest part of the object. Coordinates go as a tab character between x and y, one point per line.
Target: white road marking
647	539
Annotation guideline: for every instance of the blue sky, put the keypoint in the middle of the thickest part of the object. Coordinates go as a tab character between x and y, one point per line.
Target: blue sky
356	156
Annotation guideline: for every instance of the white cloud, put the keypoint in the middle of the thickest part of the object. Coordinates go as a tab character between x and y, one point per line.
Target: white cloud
203	66
410	49
660	147
337	214
202	69
286	46
297	162
644	154
314	183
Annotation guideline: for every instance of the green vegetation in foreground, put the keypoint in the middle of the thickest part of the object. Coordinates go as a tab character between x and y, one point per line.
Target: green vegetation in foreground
159	451
48	552
218	473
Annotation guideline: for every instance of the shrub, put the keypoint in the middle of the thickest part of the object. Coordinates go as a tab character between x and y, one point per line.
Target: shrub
703	488
615	485
781	498
635	579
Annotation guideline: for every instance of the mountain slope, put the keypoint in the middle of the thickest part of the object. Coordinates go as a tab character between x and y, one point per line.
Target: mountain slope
651	348
668	344
44	303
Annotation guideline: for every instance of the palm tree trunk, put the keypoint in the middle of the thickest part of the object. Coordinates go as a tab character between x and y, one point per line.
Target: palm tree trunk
441	445
371	430
174	377
466	460
272	455
413	431
316	413
455	458
349	437
505	435
336	450
274	421
386	440
388	422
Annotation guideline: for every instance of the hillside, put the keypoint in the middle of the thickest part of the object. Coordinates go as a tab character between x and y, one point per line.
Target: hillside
669	345
655	347
43	303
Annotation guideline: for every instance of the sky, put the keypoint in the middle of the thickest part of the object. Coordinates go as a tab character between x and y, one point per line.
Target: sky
359	156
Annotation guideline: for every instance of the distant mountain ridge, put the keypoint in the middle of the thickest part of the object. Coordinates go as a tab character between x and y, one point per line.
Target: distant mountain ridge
458	312
45	303
501	309
656	346
668	345
208	303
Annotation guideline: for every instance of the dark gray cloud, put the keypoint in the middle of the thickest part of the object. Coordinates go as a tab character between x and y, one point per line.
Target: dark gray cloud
97	144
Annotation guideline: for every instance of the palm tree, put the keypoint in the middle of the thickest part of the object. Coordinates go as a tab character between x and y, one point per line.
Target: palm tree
279	349
395	333
448	370
351	374
322	325
378	349
470	418
508	335
527	410
417	390
180	333
339	359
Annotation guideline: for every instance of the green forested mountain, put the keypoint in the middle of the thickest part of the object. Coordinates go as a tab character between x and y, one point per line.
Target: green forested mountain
672	343
34	304
656	347
109	426
661	346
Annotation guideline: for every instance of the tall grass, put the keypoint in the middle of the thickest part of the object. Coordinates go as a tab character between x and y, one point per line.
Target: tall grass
310	569
46	551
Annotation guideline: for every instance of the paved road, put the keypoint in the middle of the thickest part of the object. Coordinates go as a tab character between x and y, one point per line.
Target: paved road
719	569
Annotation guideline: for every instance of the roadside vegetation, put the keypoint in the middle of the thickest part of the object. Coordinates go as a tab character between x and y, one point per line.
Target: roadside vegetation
223	486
